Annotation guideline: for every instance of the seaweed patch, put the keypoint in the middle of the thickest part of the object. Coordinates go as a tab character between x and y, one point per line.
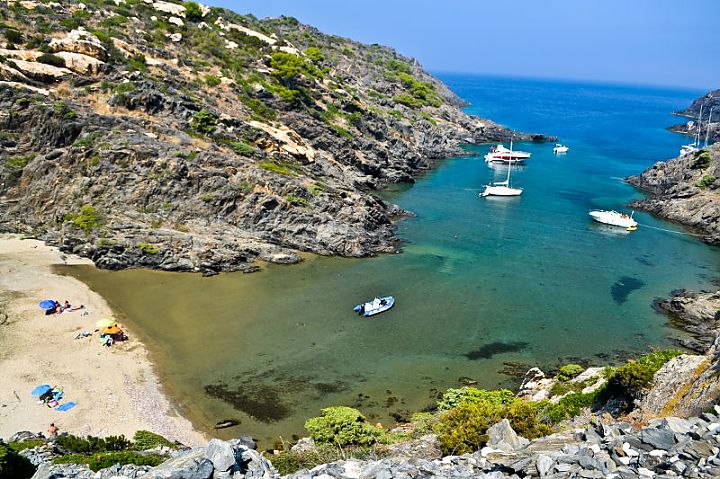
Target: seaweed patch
489	350
623	287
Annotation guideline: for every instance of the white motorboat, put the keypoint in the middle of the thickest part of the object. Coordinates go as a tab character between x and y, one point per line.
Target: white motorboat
500	153
614	218
377	305
502	188
560	148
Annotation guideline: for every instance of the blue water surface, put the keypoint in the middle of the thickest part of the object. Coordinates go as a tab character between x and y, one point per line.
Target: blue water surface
484	288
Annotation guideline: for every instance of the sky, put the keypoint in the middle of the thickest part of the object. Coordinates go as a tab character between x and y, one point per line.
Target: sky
653	42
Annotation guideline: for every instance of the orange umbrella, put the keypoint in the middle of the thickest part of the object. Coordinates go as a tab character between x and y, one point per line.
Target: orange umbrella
110	330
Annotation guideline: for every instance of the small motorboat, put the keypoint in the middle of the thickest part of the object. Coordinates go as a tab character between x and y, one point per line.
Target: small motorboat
377	305
614	218
560	149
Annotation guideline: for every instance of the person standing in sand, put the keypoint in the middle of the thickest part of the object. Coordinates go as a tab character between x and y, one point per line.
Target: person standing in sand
53	430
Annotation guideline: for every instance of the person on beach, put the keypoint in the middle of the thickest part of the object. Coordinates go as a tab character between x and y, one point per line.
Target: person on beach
53	430
66	306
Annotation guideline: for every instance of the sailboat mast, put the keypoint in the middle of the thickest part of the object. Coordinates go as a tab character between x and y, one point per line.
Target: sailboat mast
707	126
696	143
507	180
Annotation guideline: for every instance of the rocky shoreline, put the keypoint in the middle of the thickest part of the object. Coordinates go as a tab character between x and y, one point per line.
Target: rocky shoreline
136	158
709	101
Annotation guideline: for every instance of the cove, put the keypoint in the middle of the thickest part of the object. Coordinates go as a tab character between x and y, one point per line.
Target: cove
484	288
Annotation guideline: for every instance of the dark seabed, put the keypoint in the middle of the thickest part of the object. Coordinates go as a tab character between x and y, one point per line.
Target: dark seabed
484	288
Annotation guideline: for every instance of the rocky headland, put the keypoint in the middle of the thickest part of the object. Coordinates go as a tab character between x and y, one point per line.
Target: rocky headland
173	135
710	125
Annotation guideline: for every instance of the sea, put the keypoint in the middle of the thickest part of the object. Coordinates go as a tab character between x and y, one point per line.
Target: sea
485	288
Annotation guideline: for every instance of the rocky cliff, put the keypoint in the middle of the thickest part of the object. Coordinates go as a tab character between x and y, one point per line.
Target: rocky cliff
177	136
685	190
709	125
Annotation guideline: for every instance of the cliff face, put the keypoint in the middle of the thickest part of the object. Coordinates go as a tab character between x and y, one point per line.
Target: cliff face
709	102
685	190
182	137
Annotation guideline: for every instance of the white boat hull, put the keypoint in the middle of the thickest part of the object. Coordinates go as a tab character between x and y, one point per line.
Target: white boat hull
501	191
613	218
560	149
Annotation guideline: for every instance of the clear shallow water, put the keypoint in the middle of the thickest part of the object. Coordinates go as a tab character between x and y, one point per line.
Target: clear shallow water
484	287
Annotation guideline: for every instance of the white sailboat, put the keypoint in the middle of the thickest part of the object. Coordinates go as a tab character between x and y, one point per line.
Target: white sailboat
695	145
502	188
560	149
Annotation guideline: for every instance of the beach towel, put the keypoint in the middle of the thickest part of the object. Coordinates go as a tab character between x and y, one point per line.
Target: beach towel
66	407
40	390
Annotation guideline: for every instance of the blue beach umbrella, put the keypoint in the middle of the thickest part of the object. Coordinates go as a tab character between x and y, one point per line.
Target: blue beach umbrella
47	304
40	390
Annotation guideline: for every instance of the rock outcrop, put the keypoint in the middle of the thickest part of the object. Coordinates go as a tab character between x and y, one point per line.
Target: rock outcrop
696	313
709	125
203	142
685	190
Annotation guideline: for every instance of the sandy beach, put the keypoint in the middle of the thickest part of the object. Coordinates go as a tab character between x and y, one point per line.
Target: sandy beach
115	388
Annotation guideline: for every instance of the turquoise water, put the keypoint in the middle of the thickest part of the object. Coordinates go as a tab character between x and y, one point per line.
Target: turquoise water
484	288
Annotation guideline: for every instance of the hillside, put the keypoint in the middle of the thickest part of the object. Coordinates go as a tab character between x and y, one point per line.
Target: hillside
709	101
182	137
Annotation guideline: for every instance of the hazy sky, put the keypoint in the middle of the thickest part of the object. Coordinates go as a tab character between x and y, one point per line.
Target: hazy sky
665	42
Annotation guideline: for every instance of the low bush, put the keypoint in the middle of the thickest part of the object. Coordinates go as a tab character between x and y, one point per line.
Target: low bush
143	440
567	408
288	462
193	12
454	397
463	429
212	80
569	371
102	460
91	444
87	219
13	465
706	181
22	445
13	36
50	59
343	426
281	168
148	248
628	382
204	121
239	147
19	162
295	200
702	159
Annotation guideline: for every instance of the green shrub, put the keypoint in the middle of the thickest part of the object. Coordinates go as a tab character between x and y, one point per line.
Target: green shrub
212	80
295	200
343	426
143	440
706	181
92	444
288	67
125	87
702	159
102	460
148	248
193	12
286	94
204	121
454	397
239	147
277	167
61	109
137	63
568	407
629	381
19	162
396	66
87	140
463	429
569	371
288	462
13	465
50	59
13	36
22	445
314	54
87	219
